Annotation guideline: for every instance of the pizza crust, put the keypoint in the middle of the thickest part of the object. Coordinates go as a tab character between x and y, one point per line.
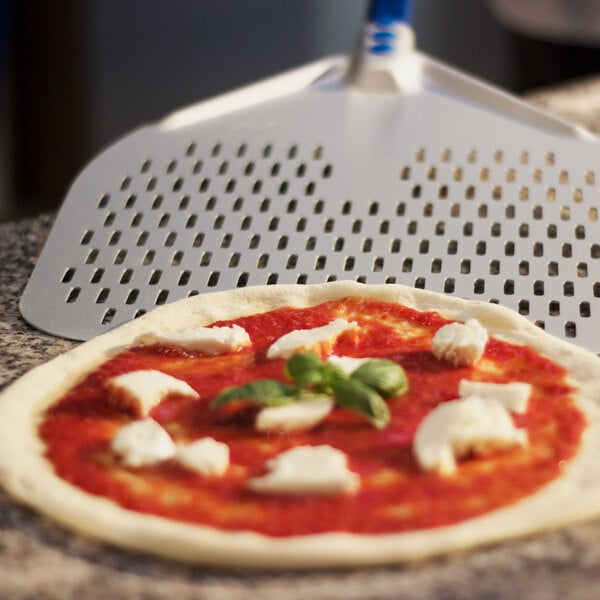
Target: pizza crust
30	479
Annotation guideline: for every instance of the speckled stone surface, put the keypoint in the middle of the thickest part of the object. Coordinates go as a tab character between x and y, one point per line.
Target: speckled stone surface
41	560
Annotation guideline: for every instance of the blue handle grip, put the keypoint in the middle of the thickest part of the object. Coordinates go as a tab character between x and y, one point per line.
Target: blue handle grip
390	11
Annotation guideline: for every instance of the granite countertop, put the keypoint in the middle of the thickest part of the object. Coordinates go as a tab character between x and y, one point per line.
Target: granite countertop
41	560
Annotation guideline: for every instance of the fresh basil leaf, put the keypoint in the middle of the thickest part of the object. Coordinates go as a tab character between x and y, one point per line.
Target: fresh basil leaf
359	397
384	376
263	391
305	369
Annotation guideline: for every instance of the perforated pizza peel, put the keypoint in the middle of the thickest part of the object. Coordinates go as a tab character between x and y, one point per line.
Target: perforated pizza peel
386	167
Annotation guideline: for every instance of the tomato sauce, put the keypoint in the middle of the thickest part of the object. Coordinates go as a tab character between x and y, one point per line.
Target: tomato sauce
395	494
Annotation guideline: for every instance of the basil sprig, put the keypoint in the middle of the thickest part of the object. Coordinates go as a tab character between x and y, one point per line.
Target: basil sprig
363	391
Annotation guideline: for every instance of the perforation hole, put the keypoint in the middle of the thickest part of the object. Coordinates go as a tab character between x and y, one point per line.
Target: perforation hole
524	307
494	267
570	329
108	316
73	295
184	278
554	308
395	246
553	269
132	296
584	309
68	275
97	276
568	289
91	257
136	221
162	297
103	201
213	279
102	295
126	276
155	277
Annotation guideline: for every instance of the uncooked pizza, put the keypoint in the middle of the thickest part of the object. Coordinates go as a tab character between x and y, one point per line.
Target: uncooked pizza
309	426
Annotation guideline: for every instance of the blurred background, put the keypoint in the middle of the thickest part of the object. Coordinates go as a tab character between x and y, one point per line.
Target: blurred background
75	75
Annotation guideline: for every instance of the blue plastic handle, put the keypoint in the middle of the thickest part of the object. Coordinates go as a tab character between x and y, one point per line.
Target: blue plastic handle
390	11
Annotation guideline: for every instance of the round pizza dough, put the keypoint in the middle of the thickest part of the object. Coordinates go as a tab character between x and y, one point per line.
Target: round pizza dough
29	477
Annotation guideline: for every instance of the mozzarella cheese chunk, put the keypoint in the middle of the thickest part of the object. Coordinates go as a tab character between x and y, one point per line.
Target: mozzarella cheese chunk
460	427
206	456
304	339
307	470
142	443
210	340
347	364
460	344
513	396
296	416
140	391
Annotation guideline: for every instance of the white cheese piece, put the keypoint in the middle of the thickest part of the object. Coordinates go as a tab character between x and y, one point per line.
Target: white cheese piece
143	443
210	340
206	456
140	391
307	470
347	364
296	416
457	428
460	344
513	396
304	339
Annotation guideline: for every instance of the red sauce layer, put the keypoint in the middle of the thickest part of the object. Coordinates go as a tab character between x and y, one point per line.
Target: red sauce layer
395	495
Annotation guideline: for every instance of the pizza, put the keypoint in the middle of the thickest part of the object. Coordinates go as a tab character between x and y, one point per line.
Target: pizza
323	425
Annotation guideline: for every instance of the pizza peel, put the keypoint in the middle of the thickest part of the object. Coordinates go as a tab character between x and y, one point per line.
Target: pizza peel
382	167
